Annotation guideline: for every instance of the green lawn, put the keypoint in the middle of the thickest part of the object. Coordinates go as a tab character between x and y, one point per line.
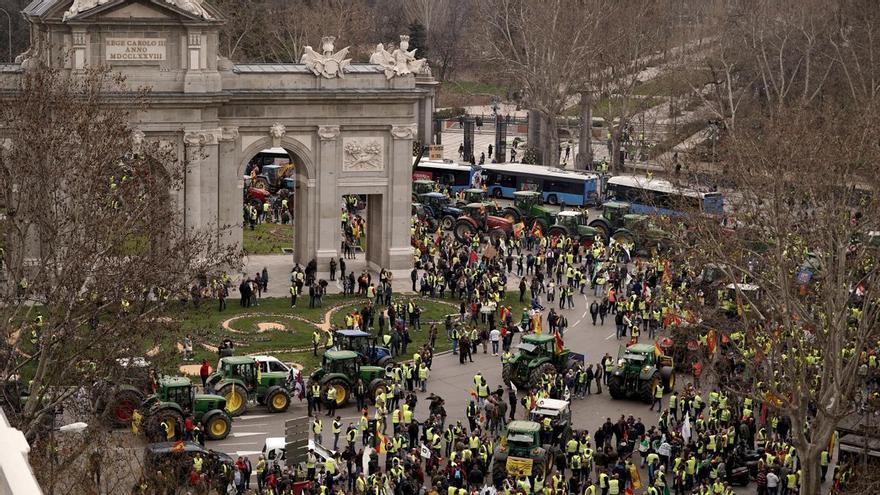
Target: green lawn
267	238
474	88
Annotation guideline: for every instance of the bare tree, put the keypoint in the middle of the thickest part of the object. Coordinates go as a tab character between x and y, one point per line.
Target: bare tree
94	251
543	47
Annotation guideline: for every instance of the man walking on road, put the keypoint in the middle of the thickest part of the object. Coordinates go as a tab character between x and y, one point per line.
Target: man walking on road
594	311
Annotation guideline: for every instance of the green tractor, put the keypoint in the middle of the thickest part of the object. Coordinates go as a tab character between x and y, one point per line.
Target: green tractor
623	227
340	370
638	371
174	399
469	196
528	208
536	358
572	223
238	379
422	186
520	453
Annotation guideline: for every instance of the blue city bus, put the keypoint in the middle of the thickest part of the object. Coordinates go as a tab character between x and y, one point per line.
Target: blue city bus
455	176
557	185
661	197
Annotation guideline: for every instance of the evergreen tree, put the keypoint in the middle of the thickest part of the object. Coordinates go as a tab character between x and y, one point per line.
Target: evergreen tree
418	39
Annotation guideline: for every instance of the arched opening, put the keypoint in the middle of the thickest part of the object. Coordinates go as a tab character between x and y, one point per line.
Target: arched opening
270	182
290	167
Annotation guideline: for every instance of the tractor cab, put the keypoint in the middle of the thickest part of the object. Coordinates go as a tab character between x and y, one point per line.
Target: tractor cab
478	212
732	304
538	344
243	368
422	186
558	412
570	219
614	211
344	362
473	196
522	438
434	199
176	389
526	200
364	344
275	177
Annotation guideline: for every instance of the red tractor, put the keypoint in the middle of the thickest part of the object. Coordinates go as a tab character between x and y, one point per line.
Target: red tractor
478	217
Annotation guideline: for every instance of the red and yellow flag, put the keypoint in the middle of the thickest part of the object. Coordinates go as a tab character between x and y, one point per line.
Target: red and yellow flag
560	346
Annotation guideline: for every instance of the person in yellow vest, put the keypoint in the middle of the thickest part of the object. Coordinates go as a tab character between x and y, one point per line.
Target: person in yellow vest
316	430
316	341
337	429
603	482
658	397
614	486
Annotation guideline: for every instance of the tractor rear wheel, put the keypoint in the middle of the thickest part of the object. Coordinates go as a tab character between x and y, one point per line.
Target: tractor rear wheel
462	229
669	381
538	373
217	426
615	387
123	405
277	400
236	399
602	227
511	214
173	421
497	235
507	374
343	391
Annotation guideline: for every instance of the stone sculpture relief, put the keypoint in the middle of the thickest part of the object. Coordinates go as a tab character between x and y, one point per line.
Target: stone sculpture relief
400	62
277	131
328	65
362	155
191	6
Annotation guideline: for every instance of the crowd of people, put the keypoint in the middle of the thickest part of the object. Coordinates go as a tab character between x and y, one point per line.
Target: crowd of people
702	440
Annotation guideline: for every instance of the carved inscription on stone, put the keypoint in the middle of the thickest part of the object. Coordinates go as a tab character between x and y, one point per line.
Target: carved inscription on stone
362	155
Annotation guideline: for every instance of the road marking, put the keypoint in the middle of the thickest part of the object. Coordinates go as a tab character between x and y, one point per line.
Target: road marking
610	335
255	416
237	443
247	434
251	425
584	315
248	452
577	323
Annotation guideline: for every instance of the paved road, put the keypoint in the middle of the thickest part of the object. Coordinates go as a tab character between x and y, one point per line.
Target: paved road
451	381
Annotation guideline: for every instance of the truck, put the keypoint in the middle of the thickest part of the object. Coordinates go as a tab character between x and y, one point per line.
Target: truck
638	370
536	357
519	453
341	370
174	399
239	379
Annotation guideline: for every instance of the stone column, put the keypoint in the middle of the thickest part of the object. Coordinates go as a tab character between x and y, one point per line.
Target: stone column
194	141
328	200
230	195
210	187
397	204
194	80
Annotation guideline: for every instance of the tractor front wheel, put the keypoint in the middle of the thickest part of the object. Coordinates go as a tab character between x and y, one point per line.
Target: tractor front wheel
376	388
447	222
217	426
277	400
646	388
615	387
236	399
462	229
512	215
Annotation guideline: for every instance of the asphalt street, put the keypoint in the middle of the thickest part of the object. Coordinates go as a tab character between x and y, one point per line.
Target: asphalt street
452	381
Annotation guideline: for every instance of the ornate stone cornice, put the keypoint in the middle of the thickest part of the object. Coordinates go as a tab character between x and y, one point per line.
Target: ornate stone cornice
202	137
328	132
404	131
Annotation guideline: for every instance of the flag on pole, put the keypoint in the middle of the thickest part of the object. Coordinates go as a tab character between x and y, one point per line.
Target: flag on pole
560	346
686	427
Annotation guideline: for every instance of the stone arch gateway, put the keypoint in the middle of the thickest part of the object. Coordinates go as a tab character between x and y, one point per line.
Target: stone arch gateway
351	126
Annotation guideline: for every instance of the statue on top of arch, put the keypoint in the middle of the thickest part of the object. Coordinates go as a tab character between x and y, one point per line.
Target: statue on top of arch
191	6
400	62
329	65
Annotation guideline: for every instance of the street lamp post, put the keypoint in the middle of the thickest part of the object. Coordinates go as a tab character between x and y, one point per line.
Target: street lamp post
9	32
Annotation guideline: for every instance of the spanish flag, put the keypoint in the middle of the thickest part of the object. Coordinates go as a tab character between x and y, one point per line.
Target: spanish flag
536	231
383	441
559	344
710	341
177	447
658	351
